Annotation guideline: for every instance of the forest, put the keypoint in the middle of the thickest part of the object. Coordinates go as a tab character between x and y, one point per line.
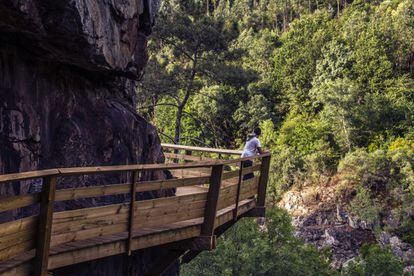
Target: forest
331	85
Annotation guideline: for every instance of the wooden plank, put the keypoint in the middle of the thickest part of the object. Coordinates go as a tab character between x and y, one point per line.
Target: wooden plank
88	223
264	177
167	219
14	202
135	177
88	228
202	149
90	233
118	247
84	223
122	208
172	209
17	237
171	183
93	212
27	175
95	191
17	266
185	231
207	228
16	249
17	225
185	157
45	225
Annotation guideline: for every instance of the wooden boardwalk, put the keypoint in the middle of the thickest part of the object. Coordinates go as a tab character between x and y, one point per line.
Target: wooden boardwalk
211	195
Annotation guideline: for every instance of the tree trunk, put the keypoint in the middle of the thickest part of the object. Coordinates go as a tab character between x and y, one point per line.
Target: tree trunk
181	106
178	118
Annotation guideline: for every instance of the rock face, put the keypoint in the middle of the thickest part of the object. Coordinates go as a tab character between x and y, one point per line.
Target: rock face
68	71
322	221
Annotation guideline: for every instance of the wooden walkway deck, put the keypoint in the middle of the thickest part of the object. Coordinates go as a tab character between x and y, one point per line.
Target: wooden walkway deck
211	195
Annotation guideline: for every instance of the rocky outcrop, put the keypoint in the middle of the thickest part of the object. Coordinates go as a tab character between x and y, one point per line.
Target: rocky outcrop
321	220
68	71
106	36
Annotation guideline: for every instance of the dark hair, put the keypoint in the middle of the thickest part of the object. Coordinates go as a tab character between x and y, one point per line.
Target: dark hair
257	131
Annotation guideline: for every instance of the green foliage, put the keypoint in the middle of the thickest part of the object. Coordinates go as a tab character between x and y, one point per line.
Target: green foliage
295	60
247	249
375	261
331	84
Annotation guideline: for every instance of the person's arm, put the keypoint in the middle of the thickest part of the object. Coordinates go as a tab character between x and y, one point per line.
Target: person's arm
259	147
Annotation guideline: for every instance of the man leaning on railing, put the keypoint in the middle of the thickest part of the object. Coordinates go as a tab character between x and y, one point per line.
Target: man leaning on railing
251	149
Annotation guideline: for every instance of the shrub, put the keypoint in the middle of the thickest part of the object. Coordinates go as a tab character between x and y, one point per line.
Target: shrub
245	249
375	261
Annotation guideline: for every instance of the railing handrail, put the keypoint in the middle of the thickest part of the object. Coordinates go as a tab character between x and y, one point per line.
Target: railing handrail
202	149
121	218
114	169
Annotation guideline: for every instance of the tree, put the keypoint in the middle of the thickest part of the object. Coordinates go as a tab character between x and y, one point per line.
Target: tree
187	40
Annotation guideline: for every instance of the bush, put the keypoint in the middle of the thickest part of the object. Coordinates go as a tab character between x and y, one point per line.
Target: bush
245	249
375	261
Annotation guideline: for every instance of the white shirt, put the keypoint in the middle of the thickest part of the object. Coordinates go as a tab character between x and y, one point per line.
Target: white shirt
250	149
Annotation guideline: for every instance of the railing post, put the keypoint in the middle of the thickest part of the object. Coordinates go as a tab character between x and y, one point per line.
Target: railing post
134	180
207	228
236	208
45	225
264	177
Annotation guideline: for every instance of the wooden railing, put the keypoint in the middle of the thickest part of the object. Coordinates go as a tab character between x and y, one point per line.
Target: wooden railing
210	194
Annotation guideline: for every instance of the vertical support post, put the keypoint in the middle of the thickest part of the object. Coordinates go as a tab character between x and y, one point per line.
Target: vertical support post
207	229
236	208
134	180
44	230
264	177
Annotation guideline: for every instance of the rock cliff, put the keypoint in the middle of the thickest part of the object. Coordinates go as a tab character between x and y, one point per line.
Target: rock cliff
68	71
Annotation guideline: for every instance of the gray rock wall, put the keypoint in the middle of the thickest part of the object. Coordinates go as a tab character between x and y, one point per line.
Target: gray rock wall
68	71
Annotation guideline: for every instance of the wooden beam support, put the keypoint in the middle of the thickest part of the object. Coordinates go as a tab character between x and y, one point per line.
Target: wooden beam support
236	208
198	243
45	225
134	180
189	256
264	177
207	229
258	212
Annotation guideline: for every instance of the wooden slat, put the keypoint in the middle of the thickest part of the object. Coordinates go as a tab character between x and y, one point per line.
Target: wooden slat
202	149
88	223
27	175
185	157
152	167
17	237
166	219
184	231
14	202
16	249
17	225
90	233
171	183
95	191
